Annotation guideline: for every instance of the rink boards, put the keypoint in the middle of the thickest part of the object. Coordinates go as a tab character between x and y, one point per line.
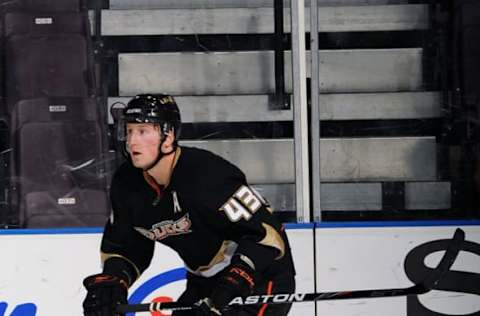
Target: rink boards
42	270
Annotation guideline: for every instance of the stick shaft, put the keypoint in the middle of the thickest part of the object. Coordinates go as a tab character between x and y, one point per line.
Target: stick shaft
279	299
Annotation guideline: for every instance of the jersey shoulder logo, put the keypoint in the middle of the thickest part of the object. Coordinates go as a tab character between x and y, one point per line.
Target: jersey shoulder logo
167	228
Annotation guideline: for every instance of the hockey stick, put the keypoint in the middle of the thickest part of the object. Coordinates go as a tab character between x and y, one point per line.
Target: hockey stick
425	286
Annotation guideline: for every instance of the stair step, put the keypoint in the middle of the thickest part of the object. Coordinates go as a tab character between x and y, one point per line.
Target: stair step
342	159
210	4
261	20
252	72
361	196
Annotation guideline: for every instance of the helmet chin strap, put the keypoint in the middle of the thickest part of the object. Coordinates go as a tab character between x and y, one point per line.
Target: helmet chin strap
160	154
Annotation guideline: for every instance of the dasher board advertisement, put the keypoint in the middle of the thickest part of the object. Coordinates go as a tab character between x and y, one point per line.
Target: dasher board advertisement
356	258
42	271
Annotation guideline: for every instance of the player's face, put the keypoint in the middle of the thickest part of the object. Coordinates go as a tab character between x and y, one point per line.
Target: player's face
143	140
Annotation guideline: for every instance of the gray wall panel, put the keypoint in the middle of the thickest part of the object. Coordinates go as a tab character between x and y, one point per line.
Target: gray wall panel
401	158
178	21
197	4
371	106
260	20
351	196
427	195
263	161
361	196
360	70
342	159
197	73
371	18
335	196
367	70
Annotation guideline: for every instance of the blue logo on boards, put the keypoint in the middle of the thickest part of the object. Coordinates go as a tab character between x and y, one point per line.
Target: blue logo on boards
27	309
144	290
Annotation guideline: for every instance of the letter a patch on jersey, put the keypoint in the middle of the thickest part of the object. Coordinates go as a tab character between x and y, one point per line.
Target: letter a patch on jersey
176	204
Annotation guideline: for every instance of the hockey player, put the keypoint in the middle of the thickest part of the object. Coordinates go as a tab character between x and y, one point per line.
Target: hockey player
198	204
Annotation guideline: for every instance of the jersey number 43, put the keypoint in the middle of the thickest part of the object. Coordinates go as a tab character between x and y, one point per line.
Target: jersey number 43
243	204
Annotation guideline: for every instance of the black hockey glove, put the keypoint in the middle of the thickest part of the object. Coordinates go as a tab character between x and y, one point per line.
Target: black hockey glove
236	280
105	292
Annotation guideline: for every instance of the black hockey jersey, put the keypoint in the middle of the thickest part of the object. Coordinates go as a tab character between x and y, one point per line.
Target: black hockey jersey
207	213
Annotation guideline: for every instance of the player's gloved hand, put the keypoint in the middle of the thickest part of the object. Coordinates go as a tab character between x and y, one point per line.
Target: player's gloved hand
238	279
104	293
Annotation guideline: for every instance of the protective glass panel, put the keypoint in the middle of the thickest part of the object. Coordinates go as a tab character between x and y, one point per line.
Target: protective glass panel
398	112
228	64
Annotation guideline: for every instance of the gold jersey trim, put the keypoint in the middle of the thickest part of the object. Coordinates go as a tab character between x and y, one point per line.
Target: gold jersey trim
273	239
219	262
219	257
